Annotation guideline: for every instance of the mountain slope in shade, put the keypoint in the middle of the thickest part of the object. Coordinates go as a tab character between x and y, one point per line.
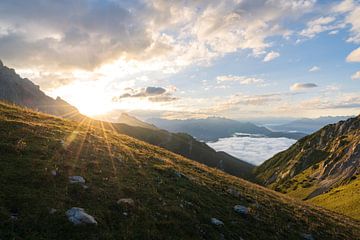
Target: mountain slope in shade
171	197
213	128
189	147
23	92
319	164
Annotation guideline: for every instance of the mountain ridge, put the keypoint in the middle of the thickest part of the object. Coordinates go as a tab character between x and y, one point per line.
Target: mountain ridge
316	164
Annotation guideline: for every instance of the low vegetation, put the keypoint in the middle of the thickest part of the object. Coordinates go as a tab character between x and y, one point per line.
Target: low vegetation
171	197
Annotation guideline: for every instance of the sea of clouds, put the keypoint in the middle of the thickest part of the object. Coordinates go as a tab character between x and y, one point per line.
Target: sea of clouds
252	148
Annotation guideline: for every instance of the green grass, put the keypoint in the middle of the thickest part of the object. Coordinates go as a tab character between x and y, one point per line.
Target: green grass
117	166
343	199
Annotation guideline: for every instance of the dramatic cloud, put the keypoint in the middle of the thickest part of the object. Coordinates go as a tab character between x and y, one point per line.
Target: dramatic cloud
271	56
354	56
302	86
153	94
356	76
253	149
243	80
87	34
314	69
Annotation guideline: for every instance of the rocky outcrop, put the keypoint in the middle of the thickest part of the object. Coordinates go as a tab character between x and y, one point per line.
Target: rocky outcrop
327	158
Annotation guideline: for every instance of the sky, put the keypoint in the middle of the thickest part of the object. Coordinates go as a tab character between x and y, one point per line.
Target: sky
184	59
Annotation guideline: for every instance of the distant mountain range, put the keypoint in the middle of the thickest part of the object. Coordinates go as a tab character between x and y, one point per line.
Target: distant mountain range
213	128
323	168
22	92
307	125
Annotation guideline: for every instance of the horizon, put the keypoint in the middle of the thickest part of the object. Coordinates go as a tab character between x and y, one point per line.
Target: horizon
232	59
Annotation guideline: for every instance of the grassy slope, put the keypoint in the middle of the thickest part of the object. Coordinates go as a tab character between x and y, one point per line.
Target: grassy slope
343	199
117	166
297	171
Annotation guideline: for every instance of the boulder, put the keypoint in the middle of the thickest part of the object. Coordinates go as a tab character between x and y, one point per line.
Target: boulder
126	202
233	192
79	216
241	209
307	236
77	179
216	222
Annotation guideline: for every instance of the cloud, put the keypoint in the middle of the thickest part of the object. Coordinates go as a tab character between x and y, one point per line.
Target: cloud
253	149
356	76
153	94
88	34
301	86
354	56
271	56
320	25
351	11
243	80
314	69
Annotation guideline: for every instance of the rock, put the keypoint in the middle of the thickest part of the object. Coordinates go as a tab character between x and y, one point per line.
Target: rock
307	236
1	64
241	209
233	192
216	222
52	210
126	201
79	216
54	173
77	179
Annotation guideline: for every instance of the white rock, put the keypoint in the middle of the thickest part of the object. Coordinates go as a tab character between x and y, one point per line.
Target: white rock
241	209
307	236
79	216
216	222
77	179
52	210
126	201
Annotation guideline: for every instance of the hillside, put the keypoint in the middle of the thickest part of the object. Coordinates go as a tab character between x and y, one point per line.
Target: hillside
189	147
23	92
213	128
134	190
326	162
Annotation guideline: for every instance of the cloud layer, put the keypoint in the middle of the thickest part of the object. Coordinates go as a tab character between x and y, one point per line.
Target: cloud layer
252	149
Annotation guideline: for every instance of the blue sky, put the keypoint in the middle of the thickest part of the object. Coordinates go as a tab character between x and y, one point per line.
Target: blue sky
180	59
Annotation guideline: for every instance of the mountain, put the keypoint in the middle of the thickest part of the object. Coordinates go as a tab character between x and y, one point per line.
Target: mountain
213	128
189	147
118	116
23	92
323	165
132	190
307	125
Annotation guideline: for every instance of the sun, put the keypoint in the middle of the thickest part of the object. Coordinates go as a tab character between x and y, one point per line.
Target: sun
88	97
